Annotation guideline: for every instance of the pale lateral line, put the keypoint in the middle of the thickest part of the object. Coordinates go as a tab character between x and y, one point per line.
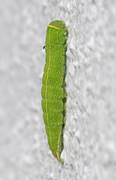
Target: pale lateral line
59	144
53	26
46	89
58	149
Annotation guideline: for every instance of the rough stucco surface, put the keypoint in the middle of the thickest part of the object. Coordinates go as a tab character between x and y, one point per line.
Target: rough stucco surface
90	133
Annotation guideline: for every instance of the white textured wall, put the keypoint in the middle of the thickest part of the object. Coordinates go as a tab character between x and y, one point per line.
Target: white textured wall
90	132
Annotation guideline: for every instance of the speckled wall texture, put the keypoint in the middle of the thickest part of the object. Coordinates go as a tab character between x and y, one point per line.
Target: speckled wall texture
90	132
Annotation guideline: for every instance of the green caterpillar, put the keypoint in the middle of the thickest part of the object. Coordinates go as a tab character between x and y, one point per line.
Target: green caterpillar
53	89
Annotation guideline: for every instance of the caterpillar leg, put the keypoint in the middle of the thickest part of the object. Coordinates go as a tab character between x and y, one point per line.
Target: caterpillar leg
65	120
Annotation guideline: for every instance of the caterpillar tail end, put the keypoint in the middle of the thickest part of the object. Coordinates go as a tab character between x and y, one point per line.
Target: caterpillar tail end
59	158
